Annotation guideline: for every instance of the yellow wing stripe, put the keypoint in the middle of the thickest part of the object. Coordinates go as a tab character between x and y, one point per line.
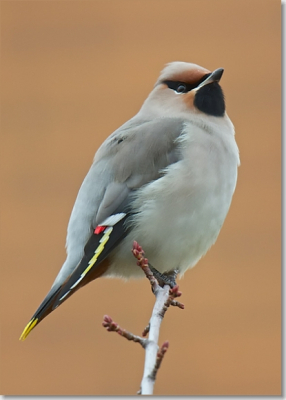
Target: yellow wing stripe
28	328
93	260
98	250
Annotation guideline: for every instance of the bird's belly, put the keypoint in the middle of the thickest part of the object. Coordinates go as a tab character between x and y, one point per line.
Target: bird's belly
180	216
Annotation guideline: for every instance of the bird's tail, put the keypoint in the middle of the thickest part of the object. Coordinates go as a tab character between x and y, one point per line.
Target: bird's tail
45	308
93	264
57	296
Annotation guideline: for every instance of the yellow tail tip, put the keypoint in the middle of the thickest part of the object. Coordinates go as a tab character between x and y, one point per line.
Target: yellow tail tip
28	328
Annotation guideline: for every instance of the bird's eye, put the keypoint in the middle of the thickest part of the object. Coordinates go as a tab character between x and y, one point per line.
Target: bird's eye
181	88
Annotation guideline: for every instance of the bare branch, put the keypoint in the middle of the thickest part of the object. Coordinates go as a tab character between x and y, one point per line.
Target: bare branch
151	349
112	326
143	263
165	296
173	293
160	356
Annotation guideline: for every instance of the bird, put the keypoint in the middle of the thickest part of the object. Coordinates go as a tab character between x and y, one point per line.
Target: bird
165	179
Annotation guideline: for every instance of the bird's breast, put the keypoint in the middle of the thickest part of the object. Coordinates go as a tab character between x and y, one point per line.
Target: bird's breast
178	216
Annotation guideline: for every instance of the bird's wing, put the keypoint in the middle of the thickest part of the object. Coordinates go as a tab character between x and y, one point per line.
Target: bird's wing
134	155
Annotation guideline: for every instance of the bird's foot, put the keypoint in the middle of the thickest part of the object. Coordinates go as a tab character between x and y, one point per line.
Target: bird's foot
168	278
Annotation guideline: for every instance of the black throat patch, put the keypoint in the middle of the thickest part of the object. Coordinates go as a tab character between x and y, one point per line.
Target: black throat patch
210	100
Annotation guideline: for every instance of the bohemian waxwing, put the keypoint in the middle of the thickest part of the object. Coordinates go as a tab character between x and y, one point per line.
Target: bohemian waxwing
165	179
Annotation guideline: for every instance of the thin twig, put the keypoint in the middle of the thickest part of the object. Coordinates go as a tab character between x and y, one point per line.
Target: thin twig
143	263
173	293
112	326
146	330
176	303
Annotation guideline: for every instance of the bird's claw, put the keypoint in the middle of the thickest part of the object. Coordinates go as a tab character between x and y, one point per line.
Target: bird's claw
167	278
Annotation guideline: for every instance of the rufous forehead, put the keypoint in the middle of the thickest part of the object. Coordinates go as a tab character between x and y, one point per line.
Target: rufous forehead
191	75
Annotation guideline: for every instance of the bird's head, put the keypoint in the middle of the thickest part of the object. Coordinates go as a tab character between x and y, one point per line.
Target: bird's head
187	89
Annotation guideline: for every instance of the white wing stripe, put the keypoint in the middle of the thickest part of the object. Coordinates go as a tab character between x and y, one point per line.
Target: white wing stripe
113	219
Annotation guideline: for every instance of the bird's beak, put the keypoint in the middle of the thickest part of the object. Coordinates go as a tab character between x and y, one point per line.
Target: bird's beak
215	76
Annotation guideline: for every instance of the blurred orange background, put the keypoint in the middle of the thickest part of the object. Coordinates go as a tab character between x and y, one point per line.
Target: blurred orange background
74	71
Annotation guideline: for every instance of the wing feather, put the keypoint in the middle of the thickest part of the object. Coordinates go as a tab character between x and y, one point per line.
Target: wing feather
134	155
